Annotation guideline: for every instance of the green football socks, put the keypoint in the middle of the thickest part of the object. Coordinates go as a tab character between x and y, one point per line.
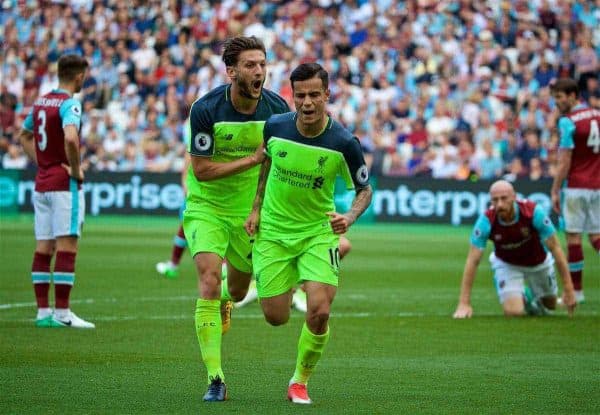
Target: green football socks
310	349
208	330
225	296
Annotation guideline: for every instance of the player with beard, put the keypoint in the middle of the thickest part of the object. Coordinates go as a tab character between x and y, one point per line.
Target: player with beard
523	269
226	149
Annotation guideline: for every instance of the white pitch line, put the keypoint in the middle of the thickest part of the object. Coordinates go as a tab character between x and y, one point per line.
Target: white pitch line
256	316
105	300
10	306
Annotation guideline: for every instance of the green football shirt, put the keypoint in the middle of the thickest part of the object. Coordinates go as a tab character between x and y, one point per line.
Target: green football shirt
220	132
300	186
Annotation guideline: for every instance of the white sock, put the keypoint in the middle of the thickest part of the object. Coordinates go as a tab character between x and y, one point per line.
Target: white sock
62	313
43	313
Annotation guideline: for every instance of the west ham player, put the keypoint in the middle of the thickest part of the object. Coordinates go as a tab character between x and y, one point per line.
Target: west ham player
523	269
170	268
50	137
298	237
579	164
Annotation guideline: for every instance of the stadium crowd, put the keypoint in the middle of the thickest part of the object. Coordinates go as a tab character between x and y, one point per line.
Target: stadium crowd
448	89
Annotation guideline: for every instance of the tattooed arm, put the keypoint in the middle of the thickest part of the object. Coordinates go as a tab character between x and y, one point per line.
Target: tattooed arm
340	223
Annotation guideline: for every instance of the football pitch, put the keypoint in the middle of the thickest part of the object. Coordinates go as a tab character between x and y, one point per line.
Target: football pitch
394	348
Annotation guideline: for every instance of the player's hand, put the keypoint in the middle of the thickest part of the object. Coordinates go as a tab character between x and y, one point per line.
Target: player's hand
556	201
339	223
463	311
251	224
569	301
77	175
259	154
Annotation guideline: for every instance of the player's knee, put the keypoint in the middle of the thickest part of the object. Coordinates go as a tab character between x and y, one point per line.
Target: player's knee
208	275
209	284
514	307
237	293
277	319
595	241
573	239
549	302
345	247
46	247
514	312
317	321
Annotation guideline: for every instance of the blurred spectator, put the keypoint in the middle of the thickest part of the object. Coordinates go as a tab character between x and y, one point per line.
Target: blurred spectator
490	165
406	77
515	171
530	148
131	160
440	124
14	158
486	130
585	59
595	99
446	161
546	72
8	105
536	169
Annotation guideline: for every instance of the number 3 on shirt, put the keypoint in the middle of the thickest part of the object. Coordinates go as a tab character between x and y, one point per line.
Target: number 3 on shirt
43	143
594	137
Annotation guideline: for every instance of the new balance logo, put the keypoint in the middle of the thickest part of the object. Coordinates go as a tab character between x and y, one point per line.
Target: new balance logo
229	137
318	183
281	154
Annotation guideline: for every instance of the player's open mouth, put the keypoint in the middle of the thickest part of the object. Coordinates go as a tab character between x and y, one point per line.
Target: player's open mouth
305	112
256	84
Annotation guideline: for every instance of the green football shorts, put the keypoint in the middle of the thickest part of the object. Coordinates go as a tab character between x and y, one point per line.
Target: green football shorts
279	265
224	236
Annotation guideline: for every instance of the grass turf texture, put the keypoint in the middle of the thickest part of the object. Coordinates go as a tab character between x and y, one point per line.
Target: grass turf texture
394	346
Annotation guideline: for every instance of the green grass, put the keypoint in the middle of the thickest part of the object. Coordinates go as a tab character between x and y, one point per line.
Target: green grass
394	347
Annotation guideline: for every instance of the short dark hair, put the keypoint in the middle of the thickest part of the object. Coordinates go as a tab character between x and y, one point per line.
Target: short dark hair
71	65
236	45
306	71
566	85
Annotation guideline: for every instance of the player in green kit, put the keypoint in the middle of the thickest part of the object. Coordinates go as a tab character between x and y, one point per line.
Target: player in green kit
297	230
226	150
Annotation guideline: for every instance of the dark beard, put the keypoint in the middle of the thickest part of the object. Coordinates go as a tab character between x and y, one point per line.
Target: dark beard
244	90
